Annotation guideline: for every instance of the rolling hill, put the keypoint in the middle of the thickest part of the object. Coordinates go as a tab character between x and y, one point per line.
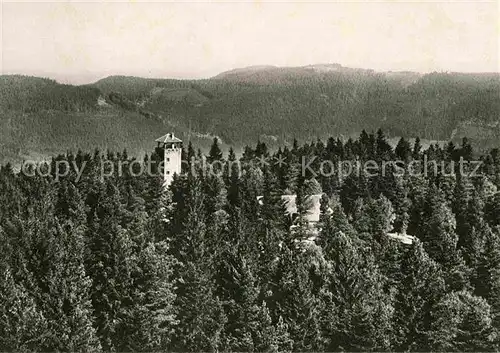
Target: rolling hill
41	117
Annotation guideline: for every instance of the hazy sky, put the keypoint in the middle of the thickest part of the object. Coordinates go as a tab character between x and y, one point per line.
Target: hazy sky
81	42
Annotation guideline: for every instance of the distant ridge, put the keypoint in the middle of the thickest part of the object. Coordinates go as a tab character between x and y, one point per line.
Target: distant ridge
260	72
273	104
245	70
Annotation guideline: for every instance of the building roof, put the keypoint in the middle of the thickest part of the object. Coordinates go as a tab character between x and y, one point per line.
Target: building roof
313	211
168	138
402	237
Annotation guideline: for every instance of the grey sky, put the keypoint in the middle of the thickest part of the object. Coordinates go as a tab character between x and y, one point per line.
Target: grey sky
81	42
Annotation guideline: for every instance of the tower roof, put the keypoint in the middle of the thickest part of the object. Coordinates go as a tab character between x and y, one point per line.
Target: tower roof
168	138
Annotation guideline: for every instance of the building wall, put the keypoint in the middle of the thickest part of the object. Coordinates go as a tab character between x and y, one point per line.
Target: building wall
173	163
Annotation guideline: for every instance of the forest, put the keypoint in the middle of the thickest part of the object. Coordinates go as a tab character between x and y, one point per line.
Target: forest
122	264
274	105
302	103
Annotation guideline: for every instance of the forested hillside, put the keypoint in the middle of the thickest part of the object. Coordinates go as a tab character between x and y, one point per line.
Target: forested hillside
116	263
40	118
320	100
272	104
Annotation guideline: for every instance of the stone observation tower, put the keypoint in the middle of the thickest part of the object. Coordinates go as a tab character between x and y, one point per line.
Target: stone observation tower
170	147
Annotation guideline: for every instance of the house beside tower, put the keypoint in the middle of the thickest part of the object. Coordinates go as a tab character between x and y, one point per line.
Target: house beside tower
170	147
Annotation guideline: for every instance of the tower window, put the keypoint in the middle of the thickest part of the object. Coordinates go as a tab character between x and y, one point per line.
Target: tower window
167	172
168	159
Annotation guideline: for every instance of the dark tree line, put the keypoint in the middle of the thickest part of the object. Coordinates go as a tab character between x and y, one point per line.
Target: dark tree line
215	263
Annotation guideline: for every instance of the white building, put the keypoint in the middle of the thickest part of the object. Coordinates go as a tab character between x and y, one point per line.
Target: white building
312	214
171	148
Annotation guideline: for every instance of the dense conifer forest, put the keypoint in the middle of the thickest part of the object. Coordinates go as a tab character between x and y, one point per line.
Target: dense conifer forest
116	263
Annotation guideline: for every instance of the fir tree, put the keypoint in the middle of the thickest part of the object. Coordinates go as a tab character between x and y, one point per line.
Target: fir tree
417	148
271	337
487	281
357	313
420	290
23	326
110	264
215	153
403	150
149	324
384	150
201	311
462	322
294	300
441	242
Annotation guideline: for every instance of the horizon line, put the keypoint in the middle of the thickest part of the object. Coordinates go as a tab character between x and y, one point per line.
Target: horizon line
87	78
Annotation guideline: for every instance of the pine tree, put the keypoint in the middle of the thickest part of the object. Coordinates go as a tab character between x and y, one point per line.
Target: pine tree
365	146
291	177
295	146
49	263
461	199
384	150
238	290
417	149
441	242
270	337
294	300
249	326
355	187
487	281
190	156
373	220
417	194
492	210
272	230
110	263
450	151
403	150
215	153
22	324
251	188
71	286
335	222
232	178
201	311
462	322
149	324
357	314
472	231
261	150
420	289
466	151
